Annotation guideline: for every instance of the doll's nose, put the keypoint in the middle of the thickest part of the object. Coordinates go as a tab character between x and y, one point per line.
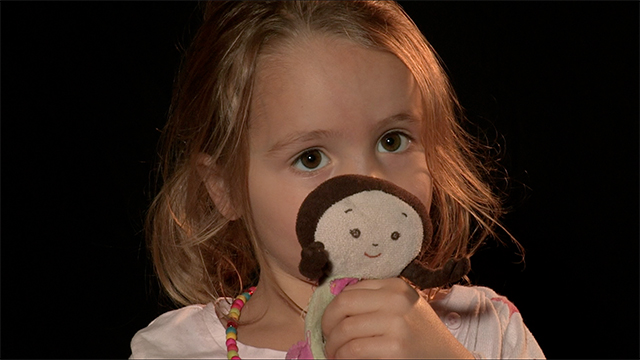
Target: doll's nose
374	244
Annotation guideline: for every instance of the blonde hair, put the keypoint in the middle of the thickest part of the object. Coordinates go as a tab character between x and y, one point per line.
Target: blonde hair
199	254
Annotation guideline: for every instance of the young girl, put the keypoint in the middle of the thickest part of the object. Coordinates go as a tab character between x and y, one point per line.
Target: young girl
273	99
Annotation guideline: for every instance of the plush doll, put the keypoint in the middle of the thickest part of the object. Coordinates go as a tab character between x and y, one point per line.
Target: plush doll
355	227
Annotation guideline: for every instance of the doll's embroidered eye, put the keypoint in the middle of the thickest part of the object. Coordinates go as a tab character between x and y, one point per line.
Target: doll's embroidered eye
310	160
355	233
395	235
394	141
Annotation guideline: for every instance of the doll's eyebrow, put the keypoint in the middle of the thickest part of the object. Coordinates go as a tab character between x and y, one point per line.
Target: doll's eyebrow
405	215
346	211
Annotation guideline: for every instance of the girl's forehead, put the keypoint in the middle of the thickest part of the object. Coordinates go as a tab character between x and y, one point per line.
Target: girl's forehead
318	52
326	77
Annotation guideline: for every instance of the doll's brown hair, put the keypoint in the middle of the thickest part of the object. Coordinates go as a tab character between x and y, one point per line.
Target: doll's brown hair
198	253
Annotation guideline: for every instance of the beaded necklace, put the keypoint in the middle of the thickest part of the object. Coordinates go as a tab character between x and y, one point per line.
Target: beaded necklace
232	324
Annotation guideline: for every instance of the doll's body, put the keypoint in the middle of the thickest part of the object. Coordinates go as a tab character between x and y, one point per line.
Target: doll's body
317	304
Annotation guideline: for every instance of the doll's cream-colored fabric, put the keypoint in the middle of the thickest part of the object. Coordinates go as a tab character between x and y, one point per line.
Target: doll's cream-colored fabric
371	235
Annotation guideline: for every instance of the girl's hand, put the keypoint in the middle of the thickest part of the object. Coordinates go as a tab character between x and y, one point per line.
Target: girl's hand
386	319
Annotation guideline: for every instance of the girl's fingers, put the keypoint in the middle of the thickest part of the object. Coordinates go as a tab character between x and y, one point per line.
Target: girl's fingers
370	348
387	298
350	303
386	319
373	284
351	328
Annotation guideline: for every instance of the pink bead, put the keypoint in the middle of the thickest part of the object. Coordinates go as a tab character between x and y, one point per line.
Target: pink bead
239	302
231	342
232	347
236	306
236	358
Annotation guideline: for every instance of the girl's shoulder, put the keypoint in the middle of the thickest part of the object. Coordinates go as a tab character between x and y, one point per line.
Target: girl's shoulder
486	323
194	332
186	332
477	299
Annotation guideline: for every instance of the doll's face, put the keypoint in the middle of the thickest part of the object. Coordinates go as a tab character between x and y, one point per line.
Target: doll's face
371	234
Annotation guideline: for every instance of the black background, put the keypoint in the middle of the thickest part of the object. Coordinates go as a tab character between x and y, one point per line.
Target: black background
86	85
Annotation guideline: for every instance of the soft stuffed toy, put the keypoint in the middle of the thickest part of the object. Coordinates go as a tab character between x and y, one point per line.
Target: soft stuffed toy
355	227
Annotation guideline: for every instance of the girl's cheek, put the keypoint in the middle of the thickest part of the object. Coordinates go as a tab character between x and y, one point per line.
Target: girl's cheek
411	172
308	181
405	163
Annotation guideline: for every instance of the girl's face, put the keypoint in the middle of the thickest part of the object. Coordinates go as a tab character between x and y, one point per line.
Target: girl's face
322	108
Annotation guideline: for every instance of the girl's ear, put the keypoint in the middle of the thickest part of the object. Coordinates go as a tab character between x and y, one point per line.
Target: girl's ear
216	187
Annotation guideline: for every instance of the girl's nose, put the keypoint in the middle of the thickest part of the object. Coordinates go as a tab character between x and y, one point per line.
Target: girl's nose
362	165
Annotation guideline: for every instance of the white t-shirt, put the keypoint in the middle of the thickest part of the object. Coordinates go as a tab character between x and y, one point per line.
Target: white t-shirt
487	324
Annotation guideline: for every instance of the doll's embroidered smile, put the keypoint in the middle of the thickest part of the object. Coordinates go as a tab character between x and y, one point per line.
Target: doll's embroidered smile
371	256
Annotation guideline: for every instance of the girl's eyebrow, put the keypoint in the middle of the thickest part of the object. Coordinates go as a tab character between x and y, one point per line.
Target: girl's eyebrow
402	118
314	135
299	137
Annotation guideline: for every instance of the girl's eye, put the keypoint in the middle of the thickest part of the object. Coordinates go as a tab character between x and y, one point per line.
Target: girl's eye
393	142
311	160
